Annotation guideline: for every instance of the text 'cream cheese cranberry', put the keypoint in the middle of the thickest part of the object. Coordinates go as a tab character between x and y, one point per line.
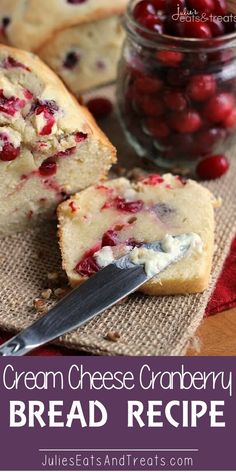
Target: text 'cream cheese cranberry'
109	220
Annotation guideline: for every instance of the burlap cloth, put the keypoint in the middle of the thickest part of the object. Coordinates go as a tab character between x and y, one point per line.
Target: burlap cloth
147	325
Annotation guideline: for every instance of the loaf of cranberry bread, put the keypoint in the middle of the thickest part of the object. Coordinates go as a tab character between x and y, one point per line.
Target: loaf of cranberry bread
86	56
50	146
29	25
99	223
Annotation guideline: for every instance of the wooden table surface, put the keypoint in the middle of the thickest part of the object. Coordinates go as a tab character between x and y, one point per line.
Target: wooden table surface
216	336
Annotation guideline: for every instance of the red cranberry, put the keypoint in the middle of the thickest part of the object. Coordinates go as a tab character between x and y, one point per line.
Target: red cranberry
73	207
153	23
230	121
175	100
202	6
188	121
151	106
10	105
48	108
148	84
159	4
207	139
67	152
104	187
219	107
50	120
144	9
157	128
9	152
87	267
71	60
121	204
28	95
201	87
181	179
152	179
146	14
178	77
109	238
129	207
49	105
11	63
212	167
100	107
79	137
169	58
220	7
197	29
48	167
216	26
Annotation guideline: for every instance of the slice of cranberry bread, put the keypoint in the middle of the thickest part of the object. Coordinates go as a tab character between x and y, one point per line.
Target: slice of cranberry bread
50	146
103	220
29	25
86	56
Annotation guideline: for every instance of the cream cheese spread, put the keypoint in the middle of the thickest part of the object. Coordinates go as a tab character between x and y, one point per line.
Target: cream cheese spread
104	257
156	261
153	261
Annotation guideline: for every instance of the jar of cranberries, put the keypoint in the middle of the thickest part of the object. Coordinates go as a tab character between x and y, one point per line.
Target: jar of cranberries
177	80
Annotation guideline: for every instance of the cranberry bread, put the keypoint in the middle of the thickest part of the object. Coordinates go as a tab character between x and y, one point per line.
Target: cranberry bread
86	56
29	25
50	146
120	214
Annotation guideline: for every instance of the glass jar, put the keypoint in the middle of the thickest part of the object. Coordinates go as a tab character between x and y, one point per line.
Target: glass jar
177	96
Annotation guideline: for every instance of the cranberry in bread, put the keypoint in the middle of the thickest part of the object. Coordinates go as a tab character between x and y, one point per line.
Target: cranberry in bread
50	146
101	222
86	55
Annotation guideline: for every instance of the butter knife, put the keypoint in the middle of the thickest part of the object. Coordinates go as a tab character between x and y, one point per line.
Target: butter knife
101	291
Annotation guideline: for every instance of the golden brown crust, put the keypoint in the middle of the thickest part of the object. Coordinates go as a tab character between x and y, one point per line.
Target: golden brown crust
59	234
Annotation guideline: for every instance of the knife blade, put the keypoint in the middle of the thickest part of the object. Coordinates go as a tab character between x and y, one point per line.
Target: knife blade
100	292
